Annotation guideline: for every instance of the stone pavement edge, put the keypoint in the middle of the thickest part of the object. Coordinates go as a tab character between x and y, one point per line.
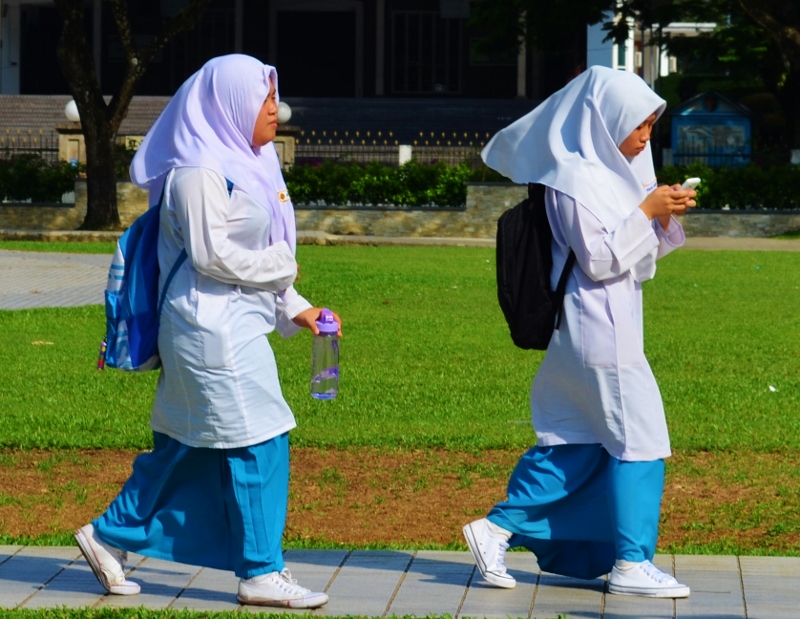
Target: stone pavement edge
383	583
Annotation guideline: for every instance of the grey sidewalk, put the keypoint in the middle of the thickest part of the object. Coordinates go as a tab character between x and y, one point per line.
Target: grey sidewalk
385	583
35	279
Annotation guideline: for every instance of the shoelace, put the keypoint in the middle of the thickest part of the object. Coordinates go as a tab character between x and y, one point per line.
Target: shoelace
501	556
656	574
290	584
121	556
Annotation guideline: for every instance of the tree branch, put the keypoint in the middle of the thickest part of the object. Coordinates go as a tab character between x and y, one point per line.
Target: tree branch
781	20
137	60
75	58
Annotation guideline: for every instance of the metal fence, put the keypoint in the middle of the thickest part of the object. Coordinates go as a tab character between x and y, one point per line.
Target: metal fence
29	142
384	147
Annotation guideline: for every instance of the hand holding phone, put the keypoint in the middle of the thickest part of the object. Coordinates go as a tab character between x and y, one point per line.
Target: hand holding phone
690	183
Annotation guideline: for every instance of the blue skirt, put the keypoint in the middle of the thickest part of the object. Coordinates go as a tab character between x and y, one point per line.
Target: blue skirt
219	508
578	509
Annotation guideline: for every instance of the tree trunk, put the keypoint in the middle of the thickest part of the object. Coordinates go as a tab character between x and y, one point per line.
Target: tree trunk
101	179
77	65
99	120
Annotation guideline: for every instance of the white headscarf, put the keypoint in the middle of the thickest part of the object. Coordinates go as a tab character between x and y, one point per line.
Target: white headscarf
209	123
570	142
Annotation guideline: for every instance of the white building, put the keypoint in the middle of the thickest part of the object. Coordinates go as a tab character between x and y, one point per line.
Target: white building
643	52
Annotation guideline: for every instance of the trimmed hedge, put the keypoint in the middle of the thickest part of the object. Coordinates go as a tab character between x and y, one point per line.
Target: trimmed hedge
374	184
29	177
414	184
747	187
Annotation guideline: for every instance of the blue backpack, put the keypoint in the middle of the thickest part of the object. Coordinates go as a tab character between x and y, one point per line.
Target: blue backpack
133	305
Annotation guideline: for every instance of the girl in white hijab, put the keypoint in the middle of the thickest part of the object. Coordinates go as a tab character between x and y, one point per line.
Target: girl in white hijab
587	498
214	490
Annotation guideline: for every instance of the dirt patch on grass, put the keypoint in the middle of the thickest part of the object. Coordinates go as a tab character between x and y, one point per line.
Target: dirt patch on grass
736	501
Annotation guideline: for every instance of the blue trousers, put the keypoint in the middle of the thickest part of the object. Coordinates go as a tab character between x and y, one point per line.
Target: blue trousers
578	509
219	508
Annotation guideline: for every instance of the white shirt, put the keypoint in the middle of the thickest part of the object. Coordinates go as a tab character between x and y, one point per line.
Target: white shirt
219	382
595	384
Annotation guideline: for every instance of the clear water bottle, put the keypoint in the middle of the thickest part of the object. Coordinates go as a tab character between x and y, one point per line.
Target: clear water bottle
325	358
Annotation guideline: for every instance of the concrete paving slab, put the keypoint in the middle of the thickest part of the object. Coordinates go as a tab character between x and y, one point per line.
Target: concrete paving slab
716	587
36	279
28	571
630	607
209	590
435	583
6	552
483	600
75	587
769	592
367	582
578	599
161	582
315	569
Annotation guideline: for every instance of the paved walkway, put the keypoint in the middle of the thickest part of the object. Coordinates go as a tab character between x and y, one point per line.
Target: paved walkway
375	583
385	583
35	279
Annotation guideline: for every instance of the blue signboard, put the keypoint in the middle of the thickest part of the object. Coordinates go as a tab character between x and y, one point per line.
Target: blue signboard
712	130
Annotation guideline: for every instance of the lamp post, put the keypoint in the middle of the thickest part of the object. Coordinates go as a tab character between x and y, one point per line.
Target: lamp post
285	140
71	111
71	146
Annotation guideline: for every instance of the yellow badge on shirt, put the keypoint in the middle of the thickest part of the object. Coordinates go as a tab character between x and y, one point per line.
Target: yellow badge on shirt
283	195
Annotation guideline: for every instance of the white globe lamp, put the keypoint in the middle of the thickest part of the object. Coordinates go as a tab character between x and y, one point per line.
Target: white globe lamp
284	113
71	112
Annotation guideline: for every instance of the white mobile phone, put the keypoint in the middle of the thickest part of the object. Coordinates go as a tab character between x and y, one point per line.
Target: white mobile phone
690	183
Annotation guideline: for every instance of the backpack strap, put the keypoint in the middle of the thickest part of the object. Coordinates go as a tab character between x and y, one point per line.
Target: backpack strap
536	192
182	256
561	288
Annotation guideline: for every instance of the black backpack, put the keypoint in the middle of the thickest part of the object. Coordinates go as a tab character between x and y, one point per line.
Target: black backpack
524	262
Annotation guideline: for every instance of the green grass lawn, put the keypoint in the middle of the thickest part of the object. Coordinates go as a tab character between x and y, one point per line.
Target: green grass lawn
427	361
67	247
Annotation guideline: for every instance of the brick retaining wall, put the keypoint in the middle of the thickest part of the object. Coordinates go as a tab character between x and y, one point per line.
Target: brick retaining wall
485	203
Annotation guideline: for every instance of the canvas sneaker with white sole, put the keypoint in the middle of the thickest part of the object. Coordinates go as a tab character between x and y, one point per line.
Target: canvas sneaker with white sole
646	580
278	589
107	563
488	544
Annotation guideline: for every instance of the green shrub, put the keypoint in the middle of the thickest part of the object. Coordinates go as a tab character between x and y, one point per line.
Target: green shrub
374	184
122	161
747	187
29	177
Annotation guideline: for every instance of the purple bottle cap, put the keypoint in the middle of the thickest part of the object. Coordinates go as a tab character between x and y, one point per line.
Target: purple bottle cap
326	322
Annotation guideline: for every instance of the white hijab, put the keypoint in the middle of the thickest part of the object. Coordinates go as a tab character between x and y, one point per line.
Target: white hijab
570	143
209	123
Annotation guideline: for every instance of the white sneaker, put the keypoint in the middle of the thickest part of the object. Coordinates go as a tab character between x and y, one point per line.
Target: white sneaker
488	543
646	580
107	563
278	589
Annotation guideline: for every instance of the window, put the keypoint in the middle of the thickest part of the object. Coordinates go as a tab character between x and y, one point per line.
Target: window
426	53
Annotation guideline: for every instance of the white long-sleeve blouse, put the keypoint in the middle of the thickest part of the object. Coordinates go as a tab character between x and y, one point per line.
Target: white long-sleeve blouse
219	382
595	384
